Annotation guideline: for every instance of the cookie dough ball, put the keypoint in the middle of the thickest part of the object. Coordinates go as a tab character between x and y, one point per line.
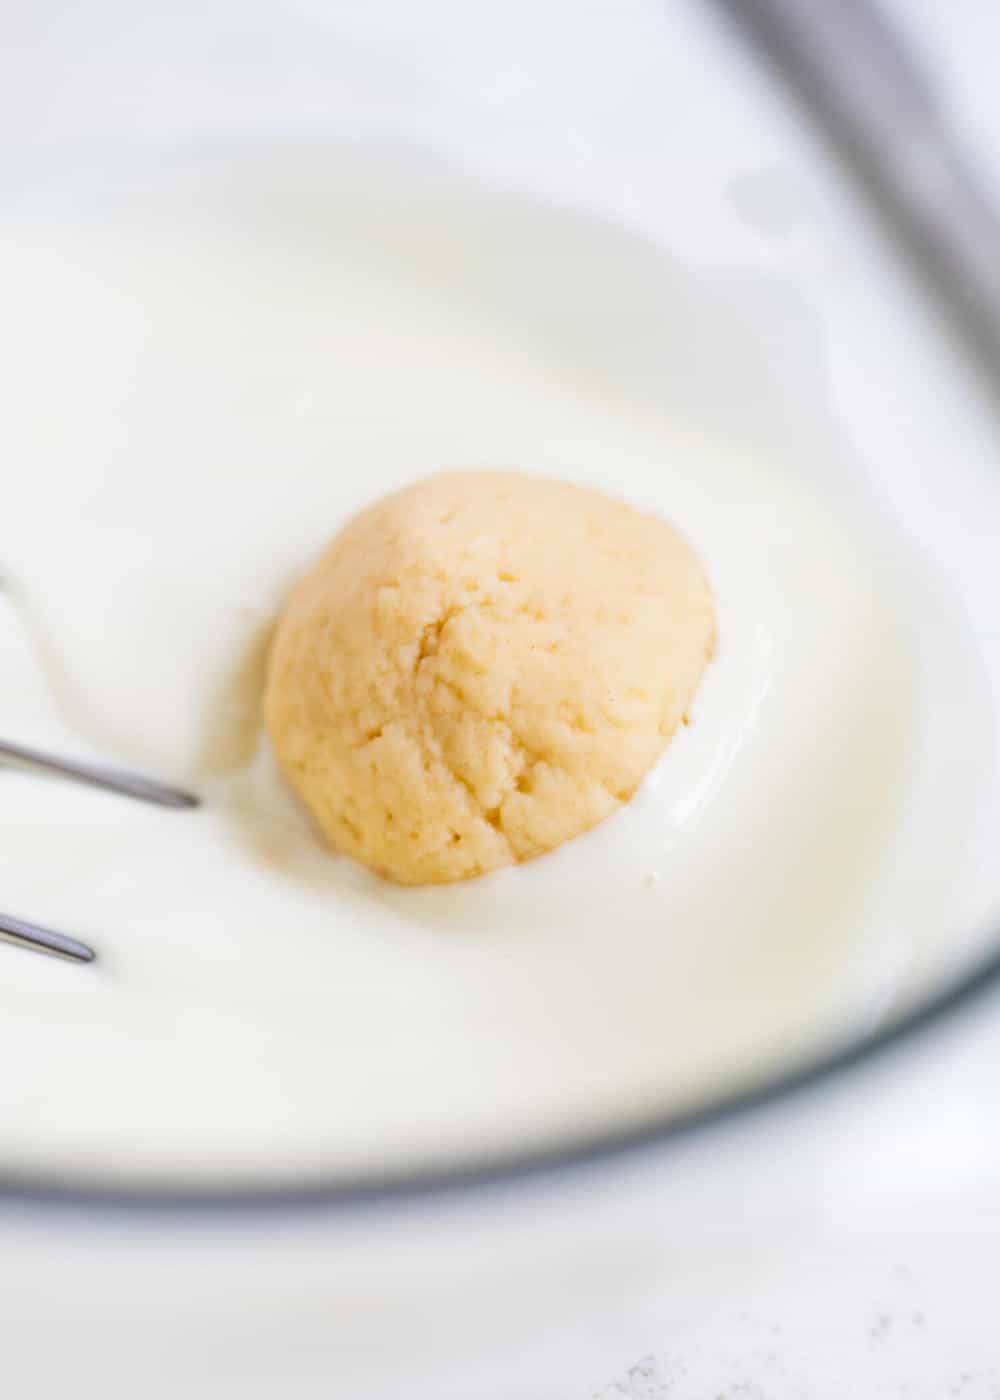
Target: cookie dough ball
481	667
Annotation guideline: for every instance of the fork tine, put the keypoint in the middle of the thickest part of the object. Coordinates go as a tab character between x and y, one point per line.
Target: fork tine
44	940
96	775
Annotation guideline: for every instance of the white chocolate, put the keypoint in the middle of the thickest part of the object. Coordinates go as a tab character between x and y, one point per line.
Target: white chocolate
259	1008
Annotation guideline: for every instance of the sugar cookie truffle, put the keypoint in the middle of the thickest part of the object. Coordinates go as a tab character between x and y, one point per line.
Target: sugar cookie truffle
482	666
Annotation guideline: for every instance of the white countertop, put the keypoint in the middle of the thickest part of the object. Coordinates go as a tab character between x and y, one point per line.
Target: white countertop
840	1244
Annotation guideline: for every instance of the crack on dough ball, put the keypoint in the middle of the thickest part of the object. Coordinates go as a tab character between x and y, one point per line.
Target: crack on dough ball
481	667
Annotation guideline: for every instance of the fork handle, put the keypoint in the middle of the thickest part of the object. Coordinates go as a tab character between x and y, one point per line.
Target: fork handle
857	75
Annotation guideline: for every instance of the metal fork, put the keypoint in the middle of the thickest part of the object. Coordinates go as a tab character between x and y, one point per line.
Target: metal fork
44	940
855	73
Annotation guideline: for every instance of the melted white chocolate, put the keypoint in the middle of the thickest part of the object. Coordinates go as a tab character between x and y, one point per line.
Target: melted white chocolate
206	388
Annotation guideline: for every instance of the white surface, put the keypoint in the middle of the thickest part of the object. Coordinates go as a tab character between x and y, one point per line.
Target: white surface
841	1245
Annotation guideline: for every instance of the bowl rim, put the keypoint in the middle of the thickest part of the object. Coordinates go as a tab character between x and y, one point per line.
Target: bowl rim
657	1130
654	1131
